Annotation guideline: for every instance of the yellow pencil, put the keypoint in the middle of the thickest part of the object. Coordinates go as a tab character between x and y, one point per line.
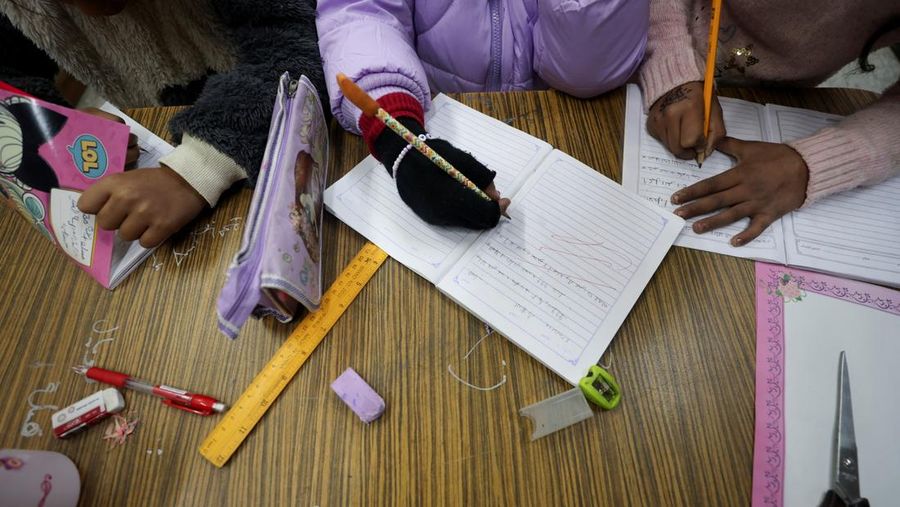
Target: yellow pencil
710	73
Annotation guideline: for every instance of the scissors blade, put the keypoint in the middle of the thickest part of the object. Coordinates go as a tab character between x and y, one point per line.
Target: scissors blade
846	467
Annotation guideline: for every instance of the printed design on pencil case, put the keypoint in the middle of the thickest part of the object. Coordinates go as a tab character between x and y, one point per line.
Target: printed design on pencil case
773	468
46	488
197	234
11	462
119	430
307	184
89	156
307	202
488	331
29	427
788	288
307	268
104	336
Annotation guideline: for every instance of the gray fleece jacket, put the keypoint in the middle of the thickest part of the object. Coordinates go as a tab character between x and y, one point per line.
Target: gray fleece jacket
224	56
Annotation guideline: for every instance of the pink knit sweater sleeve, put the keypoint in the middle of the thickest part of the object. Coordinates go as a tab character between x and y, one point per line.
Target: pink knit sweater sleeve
863	149
670	58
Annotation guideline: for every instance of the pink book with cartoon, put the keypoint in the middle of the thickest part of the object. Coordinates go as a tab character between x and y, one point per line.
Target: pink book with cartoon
49	154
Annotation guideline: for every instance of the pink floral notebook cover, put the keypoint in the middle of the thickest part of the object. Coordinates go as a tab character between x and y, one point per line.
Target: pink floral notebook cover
780	289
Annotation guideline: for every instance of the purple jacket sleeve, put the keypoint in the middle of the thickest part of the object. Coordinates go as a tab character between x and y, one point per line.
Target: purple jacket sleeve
372	42
588	47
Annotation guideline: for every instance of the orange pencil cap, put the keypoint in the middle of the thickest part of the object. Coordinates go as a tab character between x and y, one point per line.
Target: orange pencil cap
356	95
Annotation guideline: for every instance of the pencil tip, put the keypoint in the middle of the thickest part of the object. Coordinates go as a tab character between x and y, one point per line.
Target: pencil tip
701	156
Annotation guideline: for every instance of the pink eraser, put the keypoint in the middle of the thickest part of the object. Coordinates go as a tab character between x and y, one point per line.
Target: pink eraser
361	398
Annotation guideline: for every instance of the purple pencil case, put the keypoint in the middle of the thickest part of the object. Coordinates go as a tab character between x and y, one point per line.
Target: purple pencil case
278	267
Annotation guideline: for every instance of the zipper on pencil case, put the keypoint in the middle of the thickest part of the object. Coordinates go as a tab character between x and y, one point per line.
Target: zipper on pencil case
284	122
279	152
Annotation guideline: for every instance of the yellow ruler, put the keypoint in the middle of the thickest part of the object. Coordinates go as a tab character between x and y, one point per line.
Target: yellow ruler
239	421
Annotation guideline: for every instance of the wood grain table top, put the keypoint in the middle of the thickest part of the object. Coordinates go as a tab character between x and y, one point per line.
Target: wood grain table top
683	434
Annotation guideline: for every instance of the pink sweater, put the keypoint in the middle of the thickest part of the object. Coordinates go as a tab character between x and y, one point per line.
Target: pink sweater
796	42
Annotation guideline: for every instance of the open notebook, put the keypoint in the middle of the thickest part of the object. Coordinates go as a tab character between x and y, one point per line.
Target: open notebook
128	255
50	155
560	277
854	233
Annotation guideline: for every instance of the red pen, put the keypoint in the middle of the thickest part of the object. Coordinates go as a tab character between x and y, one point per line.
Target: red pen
178	398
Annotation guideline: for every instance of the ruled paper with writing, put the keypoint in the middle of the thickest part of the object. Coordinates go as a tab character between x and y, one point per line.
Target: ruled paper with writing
856	232
655	174
560	278
367	198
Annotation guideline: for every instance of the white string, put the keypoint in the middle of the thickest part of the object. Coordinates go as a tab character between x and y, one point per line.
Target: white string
463	382
488	332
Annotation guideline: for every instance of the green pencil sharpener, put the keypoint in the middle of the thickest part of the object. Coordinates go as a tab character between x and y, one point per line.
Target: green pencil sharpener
601	388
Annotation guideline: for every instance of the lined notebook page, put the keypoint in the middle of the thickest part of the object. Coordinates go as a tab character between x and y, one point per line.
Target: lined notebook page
854	233
367	199
655	174
560	278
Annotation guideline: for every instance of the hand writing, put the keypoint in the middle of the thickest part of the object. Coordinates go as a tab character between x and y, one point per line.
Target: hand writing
767	181
431	193
676	120
148	204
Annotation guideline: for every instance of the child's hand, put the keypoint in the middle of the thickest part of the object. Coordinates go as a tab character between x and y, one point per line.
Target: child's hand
148	204
768	181
435	196
131	155
676	120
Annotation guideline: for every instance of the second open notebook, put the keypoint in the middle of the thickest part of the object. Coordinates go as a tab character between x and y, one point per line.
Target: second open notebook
854	233
560	277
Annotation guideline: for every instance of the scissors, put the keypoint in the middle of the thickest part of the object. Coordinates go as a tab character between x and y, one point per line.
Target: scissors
844	490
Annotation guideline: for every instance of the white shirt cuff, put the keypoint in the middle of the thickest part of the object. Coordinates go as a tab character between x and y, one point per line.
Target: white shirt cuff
208	170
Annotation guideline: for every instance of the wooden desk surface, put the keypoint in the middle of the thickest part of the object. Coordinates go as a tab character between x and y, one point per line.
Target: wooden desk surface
683	434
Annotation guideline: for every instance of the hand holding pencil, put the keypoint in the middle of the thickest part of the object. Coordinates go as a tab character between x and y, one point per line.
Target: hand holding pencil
687	121
676	120
441	183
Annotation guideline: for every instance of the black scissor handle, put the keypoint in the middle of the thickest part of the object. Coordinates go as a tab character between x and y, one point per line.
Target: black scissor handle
832	499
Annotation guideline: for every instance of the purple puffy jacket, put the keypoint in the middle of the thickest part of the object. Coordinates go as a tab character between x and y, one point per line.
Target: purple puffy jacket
580	47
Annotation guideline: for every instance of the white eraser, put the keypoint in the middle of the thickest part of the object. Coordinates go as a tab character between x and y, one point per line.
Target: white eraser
86	412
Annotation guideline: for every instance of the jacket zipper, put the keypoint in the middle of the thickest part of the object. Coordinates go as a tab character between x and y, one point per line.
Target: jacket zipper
496	44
